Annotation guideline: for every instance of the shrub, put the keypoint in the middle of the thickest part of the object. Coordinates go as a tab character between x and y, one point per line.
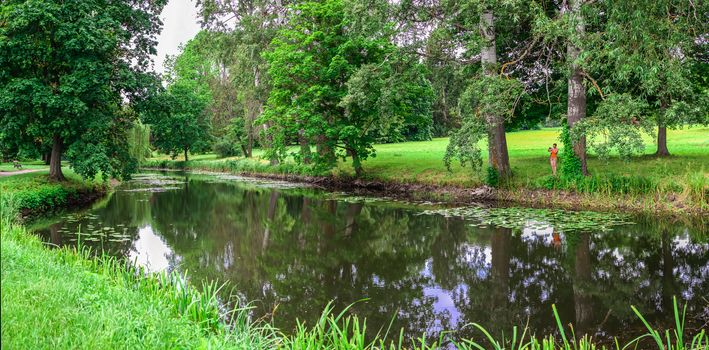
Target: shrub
224	148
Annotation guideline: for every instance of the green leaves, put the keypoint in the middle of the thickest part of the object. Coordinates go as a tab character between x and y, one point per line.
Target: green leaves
340	85
617	124
69	68
519	218
178	120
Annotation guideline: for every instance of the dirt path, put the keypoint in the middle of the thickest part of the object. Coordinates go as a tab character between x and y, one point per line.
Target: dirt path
18	172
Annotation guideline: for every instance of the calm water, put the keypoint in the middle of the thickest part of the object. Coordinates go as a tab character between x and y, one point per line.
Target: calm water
294	249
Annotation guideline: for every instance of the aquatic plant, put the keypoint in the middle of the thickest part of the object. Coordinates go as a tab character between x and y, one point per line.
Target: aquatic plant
518	218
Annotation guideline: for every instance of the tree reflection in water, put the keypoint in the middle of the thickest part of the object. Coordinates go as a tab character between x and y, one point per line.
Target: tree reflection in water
294	250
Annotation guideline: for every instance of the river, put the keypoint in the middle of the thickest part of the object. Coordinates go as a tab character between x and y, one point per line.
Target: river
289	249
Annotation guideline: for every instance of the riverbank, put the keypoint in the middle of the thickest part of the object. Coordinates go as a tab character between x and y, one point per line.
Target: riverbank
69	299
675	185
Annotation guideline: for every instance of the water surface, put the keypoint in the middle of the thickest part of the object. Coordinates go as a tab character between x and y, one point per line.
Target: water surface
293	249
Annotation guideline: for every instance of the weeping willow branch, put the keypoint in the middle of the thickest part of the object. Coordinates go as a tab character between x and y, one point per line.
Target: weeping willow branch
603	97
524	54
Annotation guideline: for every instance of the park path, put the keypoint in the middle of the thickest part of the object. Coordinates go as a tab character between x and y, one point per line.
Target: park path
18	172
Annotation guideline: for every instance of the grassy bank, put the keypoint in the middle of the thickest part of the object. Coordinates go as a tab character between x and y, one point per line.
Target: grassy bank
676	183
69	298
34	193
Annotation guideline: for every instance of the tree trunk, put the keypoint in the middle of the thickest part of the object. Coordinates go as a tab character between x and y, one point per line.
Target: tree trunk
248	153
55	160
353	211
576	102
662	150
272	203
325	152
244	150
186	155
497	141
500	247
304	147
356	163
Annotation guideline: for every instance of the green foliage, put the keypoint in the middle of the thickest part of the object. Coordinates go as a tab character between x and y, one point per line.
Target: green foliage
67	70
492	177
464	144
225	148
570	166
644	53
139	141
616	125
341	96
34	193
178	120
485	96
603	184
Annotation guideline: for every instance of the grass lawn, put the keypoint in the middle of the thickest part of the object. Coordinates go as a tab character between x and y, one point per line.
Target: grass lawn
9	167
35	192
422	162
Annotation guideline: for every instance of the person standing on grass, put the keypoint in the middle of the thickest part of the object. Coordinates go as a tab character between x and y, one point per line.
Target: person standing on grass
552	158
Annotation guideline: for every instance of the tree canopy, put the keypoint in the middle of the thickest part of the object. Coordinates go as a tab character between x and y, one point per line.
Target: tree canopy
68	69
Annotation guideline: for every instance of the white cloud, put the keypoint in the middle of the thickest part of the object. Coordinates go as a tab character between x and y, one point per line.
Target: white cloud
179	25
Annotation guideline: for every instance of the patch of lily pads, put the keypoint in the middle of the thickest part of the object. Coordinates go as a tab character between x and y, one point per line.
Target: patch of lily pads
519	218
268	183
88	228
349	198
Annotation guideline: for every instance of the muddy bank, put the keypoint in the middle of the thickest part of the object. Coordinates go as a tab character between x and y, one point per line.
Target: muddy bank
536	198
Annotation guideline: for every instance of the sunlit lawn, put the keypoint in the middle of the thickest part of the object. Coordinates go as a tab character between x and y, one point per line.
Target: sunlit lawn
423	161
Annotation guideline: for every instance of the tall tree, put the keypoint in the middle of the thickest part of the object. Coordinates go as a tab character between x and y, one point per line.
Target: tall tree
652	51
491	95
178	120
497	141
576	99
245	29
339	84
66	70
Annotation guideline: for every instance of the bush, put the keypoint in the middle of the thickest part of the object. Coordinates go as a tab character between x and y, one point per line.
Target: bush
224	148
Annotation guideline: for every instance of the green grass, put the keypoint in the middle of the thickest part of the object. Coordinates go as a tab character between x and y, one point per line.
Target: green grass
35	164
35	192
58	299
422	162
682	177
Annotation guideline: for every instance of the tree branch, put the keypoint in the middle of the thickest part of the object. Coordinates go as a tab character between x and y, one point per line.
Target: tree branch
603	97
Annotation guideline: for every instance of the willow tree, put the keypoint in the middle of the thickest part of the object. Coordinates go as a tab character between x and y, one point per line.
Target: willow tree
576	98
652	50
485	30
67	70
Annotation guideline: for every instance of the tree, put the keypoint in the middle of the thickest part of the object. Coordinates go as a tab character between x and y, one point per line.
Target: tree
491	95
339	84
67	70
651	51
242	31
576	98
497	142
178	120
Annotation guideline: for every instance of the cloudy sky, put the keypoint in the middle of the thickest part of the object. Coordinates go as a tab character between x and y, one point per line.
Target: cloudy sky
179	25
